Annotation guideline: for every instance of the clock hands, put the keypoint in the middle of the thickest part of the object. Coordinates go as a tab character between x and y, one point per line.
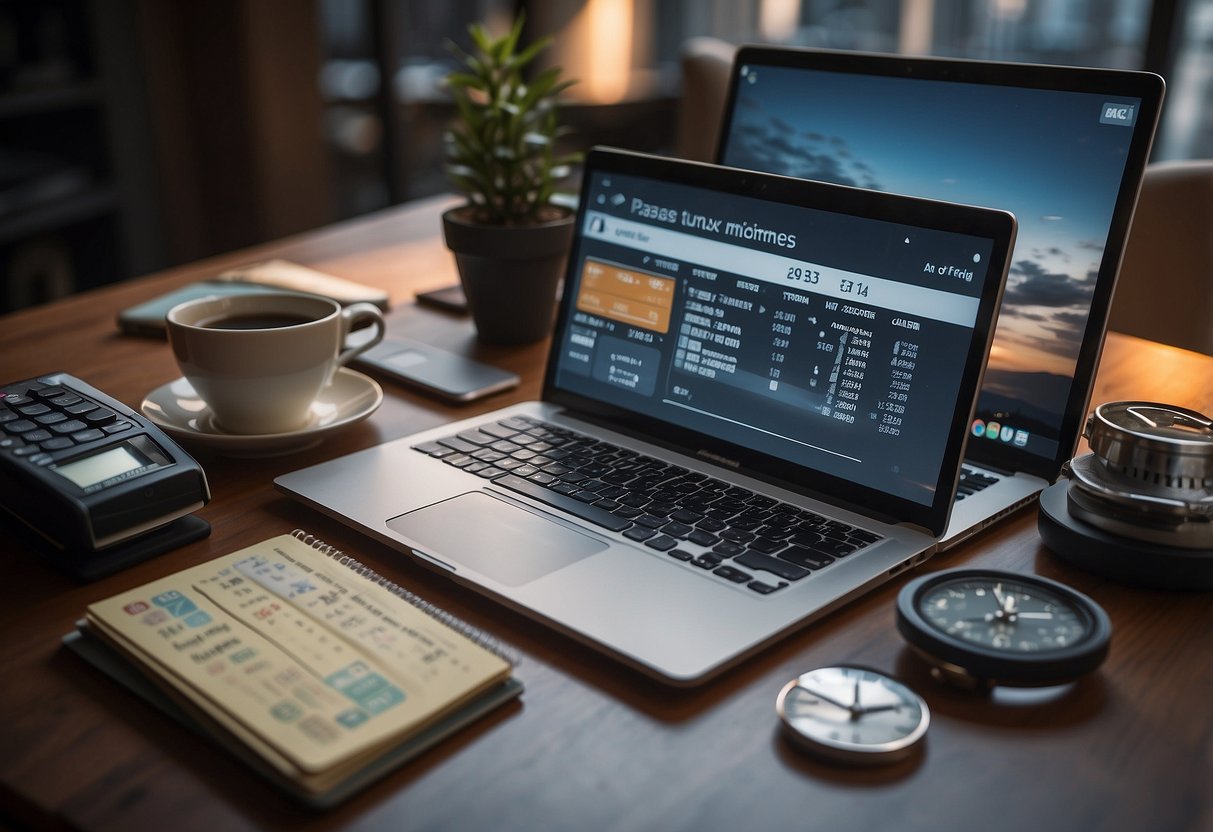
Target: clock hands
1006	604
856	708
872	709
995	616
1000	598
836	703
1008	611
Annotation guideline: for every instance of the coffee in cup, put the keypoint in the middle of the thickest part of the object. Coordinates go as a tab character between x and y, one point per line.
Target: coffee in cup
260	360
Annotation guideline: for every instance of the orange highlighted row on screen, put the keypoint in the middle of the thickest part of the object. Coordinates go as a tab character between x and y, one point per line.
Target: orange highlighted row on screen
626	295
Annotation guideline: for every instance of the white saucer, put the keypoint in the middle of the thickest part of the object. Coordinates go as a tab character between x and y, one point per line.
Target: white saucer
177	410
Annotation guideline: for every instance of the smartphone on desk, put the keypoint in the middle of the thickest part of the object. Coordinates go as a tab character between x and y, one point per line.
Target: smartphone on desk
147	318
447	375
449	298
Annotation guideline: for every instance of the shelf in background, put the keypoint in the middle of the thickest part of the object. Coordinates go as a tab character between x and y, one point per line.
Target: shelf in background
18	103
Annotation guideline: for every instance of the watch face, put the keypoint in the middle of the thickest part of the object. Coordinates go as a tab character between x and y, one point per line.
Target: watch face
1003	614
981	627
853	714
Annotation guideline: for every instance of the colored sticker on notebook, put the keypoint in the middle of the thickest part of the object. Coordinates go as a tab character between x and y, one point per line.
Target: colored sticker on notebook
368	689
174	603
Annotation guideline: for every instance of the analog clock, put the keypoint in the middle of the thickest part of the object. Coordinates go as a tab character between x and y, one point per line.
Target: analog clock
983	627
853	714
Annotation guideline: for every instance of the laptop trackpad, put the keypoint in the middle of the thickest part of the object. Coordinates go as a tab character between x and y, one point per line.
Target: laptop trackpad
504	542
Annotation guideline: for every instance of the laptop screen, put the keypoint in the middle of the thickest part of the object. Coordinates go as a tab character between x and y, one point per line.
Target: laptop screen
1062	149
822	334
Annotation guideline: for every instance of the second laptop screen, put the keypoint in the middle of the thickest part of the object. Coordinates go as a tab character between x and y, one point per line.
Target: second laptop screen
1056	159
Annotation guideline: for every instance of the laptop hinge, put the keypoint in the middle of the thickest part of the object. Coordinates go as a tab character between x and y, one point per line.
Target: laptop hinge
985	466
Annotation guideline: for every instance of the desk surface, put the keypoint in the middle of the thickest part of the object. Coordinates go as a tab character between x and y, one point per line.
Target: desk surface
591	744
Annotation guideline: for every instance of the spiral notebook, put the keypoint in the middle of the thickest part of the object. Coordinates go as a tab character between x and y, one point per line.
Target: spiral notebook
308	665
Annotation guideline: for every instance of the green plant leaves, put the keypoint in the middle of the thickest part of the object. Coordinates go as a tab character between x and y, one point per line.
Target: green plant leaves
500	151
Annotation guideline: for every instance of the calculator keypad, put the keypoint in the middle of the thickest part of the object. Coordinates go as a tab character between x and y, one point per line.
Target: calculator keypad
37	420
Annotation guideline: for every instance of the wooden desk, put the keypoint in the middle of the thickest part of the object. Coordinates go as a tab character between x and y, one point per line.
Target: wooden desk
592	745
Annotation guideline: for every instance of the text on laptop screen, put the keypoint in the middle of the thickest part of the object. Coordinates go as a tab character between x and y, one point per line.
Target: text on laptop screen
803	334
1053	158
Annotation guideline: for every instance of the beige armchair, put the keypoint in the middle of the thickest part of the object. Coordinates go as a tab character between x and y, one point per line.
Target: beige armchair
707	65
1165	290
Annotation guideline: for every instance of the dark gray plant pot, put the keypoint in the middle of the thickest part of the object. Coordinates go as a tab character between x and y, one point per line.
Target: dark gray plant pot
510	274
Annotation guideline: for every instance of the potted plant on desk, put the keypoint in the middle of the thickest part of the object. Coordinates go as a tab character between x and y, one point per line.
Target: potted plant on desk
510	241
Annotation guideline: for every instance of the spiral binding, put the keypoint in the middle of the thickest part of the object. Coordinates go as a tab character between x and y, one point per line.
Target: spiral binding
432	610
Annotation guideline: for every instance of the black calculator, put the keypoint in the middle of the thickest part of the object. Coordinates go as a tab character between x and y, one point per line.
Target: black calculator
98	483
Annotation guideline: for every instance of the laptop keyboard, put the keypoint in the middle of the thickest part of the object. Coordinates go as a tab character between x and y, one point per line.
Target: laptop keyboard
728	532
971	481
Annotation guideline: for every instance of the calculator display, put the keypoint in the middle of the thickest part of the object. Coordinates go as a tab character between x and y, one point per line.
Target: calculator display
101	467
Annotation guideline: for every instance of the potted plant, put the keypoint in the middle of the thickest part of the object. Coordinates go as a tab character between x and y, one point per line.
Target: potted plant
510	241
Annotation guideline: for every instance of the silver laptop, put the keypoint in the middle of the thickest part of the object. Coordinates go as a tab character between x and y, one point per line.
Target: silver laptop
1060	147
754	409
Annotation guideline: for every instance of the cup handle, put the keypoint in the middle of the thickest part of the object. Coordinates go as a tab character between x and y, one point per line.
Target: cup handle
351	316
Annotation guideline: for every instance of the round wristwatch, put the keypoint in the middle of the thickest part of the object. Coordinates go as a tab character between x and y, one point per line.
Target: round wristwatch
983	627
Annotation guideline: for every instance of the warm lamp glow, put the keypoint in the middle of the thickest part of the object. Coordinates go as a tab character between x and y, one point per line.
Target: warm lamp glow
778	19
606	29
917	27
1009	9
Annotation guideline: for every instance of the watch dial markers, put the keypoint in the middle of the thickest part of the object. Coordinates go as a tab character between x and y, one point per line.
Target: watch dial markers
853	714
984	627
1003	614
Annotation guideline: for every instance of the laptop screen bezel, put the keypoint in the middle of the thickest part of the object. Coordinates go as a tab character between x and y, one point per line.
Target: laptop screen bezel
997	226
1147	87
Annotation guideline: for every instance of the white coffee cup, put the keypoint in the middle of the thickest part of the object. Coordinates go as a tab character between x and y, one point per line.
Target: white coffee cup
259	360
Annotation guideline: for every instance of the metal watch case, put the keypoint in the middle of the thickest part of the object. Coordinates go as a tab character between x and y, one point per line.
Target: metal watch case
1149	475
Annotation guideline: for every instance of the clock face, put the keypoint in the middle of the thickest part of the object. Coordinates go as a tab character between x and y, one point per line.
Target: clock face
853	714
985	627
1003	614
